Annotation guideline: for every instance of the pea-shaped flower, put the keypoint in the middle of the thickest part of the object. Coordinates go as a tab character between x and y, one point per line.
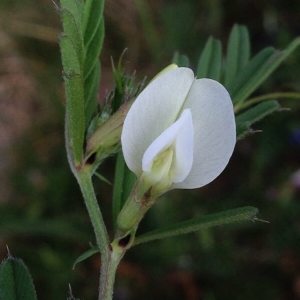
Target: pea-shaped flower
179	133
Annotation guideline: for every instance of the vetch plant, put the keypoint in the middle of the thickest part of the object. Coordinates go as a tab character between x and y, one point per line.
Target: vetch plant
178	133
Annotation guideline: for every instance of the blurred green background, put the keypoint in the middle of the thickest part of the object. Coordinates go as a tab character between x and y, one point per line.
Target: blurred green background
42	216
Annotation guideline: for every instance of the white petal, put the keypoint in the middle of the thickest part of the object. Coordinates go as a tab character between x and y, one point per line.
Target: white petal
184	148
155	109
181	134
215	133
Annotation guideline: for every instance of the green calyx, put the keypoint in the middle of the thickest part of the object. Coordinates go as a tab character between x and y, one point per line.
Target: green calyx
106	139
137	204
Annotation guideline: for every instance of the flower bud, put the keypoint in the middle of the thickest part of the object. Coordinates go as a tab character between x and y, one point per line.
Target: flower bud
106	139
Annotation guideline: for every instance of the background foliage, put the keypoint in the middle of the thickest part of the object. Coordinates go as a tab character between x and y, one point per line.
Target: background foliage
42	215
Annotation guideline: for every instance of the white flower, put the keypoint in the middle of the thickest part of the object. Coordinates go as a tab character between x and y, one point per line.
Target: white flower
179	132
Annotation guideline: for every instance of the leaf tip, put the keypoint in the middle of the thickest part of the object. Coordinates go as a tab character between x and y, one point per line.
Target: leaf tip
284	109
70	290
57	8
8	252
252	131
260	220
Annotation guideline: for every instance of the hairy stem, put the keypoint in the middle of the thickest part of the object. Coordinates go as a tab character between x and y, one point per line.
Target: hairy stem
87	189
109	258
107	276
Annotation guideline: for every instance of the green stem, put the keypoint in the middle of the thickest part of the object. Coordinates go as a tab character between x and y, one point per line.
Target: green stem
267	97
87	189
109	259
108	271
107	278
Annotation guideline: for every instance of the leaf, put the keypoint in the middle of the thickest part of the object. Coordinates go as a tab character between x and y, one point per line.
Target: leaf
93	16
91	85
180	60
242	130
93	41
72	31
71	45
253	115
258	112
86	255
92	51
102	178
15	281
238	52
258	70
246	80
75	120
80	8
226	217
210	61
76	10
124	182
70	59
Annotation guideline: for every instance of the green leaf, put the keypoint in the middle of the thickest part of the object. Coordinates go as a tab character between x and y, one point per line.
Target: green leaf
80	8
258	70
93	16
124	182
86	255
70	59
242	130
91	88
72	31
102	178
93	41
76	10
253	115
210	61
15	281
258	112
246	80
92	51
180	60
238	52
226	217
71	45
75	120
